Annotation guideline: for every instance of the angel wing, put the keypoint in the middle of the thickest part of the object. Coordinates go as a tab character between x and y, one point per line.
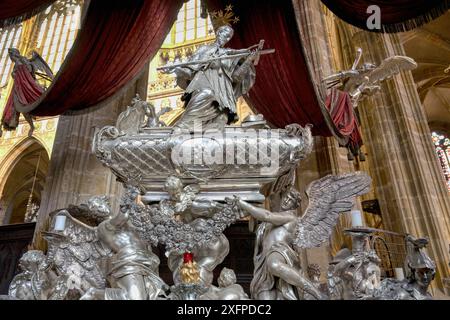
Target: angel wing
328	197
390	67
75	249
40	66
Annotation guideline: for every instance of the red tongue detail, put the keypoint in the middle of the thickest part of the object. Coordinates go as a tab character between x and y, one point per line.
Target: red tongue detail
188	257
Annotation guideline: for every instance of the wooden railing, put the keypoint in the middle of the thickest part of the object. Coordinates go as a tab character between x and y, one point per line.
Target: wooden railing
14	240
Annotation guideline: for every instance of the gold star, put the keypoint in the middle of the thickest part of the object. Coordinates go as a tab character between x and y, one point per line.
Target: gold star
229	7
236	20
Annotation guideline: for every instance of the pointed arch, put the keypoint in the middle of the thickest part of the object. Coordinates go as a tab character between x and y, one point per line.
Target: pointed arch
23	171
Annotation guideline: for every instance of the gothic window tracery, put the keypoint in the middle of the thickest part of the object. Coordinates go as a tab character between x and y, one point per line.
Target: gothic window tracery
57	31
9	37
442	146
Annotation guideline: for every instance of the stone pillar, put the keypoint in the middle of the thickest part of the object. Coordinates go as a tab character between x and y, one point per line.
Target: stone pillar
75	174
409	183
327	157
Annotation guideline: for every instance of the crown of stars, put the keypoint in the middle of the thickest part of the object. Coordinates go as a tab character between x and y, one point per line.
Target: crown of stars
227	17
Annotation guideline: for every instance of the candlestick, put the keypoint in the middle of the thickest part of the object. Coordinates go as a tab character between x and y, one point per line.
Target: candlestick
60	223
399	274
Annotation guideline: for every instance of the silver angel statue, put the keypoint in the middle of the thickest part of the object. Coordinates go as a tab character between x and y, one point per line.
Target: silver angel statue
214	78
74	251
420	273
365	80
132	271
278	272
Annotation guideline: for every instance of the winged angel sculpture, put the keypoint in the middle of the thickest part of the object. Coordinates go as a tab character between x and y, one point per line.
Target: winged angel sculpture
92	255
278	272
365	80
26	88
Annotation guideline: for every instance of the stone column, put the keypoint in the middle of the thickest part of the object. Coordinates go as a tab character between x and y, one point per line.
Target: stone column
75	174
327	157
410	187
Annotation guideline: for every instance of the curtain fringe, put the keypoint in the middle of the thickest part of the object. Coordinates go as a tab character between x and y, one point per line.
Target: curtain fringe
5	23
419	21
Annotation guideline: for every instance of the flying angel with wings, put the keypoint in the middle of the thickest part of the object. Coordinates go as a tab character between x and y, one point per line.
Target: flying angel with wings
75	252
278	272
26	89
365	80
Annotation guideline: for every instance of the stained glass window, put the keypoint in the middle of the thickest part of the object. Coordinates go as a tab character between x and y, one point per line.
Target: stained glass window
9	38
442	145
57	31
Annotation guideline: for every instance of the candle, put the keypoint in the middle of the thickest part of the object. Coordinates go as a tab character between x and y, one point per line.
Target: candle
356	219
399	275
60	223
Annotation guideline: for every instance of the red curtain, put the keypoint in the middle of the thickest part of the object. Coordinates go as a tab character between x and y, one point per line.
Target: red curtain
19	10
396	16
116	40
340	107
25	91
284	91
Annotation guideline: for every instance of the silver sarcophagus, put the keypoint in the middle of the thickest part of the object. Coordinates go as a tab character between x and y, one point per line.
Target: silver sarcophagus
238	160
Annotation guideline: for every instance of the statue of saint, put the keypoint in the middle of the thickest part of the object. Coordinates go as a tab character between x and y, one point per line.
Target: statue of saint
214	78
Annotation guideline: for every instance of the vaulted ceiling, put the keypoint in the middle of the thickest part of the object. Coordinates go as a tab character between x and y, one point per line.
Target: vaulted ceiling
430	47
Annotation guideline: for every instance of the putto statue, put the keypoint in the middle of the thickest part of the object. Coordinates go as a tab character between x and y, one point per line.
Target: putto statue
277	272
26	88
33	283
141	114
228	288
184	224
95	256
356	276
214	78
420	273
363	81
133	272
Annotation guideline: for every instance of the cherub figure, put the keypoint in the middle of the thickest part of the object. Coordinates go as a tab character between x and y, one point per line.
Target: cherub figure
33	283
141	114
133	268
278	272
194	212
314	274
228	288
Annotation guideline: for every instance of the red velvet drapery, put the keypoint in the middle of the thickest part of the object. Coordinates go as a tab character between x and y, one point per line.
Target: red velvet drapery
117	39
396	16
25	91
340	107
19	10
284	91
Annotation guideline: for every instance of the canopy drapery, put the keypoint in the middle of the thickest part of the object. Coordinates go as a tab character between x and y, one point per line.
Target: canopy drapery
284	92
395	16
116	40
16	11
